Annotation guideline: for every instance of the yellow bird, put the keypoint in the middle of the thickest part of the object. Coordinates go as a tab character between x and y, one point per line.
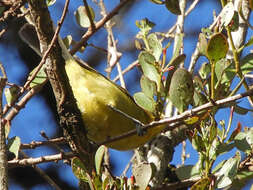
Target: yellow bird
98	100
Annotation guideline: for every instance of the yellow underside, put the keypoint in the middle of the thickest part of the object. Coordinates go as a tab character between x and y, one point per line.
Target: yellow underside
94	93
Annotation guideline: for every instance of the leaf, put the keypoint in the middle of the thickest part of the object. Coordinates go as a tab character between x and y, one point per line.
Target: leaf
241	142
11	94
228	172
79	169
250	42
202	184
247	63
234	24
178	45
99	158
181	89
249	137
217	47
147	62
202	44
67	41
14	145
220	68
218	166
199	99
197	142
204	70
143	174
145	26
213	150
50	2
227	14
186	172
175	62
148	87
82	16
40	78
173	6
145	102
155	46
242	111
224	148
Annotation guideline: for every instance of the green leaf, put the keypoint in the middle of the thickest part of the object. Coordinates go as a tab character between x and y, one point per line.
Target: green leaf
155	46
202	184
219	166
145	102
199	99
14	145
178	45
11	94
247	63
79	169
205	70
176	60
186	172
138	45
234	24
224	148
147	62
241	142
50	2
220	68
249	137
173	6
228	172
217	47
181	89
197	142
148	87
242	111
99	158
227	14
82	16
40	78
143	174
202	44
67	41
145	26
250	42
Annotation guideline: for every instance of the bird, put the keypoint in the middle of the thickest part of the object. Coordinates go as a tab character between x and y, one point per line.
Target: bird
107	109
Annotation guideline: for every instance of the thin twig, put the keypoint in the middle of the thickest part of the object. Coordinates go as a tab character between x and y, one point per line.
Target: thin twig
130	67
98	25
39	160
35	144
128	166
113	55
31	92
183	116
46	54
43	174
3	155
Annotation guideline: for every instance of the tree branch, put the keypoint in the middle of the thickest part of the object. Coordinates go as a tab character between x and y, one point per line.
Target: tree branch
3	155
98	25
39	160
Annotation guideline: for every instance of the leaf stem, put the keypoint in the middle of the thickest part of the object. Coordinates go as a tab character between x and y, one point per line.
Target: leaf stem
212	79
